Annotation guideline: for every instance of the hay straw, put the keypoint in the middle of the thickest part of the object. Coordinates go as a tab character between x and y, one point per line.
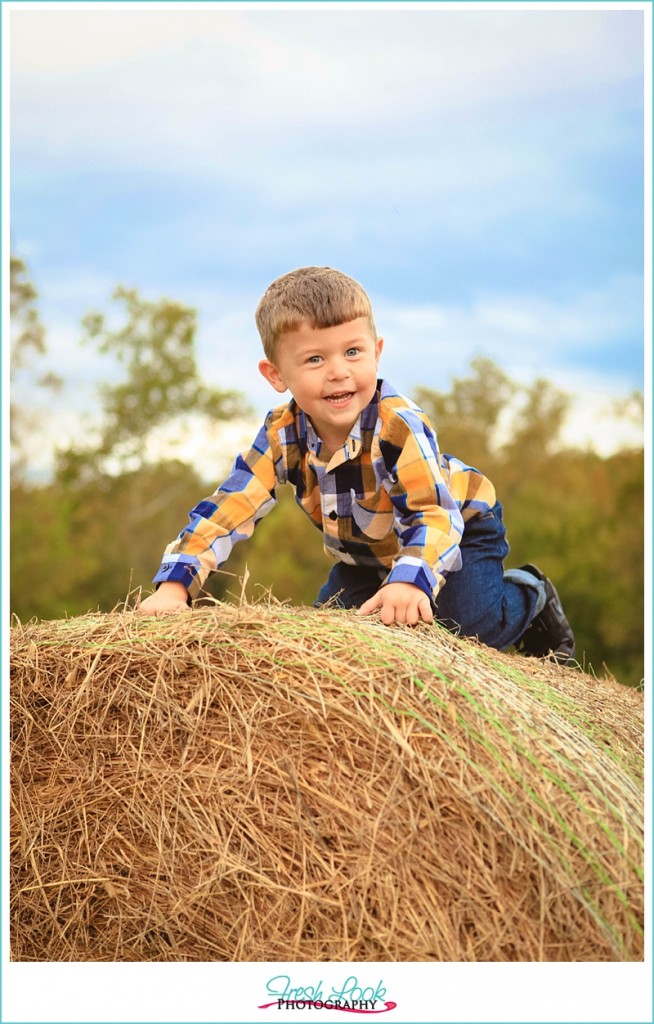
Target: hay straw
273	783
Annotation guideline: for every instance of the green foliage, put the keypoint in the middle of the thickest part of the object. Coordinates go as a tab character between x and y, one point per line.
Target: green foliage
469	416
95	531
156	345
27	337
578	516
85	548
48	562
27	331
471	419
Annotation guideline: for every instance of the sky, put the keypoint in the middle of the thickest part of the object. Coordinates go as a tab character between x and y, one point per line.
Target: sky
479	170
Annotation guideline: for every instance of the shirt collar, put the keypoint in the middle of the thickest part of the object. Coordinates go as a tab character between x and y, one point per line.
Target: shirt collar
353	444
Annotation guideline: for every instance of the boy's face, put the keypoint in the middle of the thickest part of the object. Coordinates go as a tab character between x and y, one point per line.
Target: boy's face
331	373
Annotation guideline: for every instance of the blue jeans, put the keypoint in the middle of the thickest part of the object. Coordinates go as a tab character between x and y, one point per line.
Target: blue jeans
479	600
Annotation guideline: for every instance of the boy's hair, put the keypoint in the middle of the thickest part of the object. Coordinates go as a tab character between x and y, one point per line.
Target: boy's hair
318	296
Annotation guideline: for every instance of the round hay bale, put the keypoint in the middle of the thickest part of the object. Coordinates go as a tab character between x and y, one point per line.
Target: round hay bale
266	783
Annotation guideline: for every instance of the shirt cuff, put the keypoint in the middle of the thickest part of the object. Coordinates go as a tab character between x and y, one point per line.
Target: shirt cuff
185	573
413	570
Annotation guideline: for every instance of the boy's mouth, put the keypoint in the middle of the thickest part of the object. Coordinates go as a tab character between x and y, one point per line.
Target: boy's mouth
339	399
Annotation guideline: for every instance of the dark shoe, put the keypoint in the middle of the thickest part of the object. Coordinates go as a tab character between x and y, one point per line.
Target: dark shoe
549	634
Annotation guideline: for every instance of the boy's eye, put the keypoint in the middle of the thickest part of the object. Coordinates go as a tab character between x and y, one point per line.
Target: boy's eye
314	359
354	351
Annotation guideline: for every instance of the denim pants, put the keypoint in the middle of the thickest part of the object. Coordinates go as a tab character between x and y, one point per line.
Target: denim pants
480	600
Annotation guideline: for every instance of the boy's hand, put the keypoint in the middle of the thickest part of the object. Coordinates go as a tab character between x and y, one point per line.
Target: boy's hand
399	602
170	598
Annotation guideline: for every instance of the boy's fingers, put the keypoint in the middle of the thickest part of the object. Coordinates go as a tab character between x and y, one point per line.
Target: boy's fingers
409	614
389	614
173	609
370	605
155	609
426	612
181	606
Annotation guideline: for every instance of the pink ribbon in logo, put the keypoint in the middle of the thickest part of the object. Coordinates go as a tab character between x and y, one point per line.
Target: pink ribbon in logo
388	1005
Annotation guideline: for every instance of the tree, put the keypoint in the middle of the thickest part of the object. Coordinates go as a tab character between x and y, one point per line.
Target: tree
98	528
577	515
26	328
156	345
27	340
469	417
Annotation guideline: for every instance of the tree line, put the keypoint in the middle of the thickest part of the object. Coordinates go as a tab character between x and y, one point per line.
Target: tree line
93	533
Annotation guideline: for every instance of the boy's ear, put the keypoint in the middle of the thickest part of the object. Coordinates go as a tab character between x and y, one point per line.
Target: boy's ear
272	375
378	349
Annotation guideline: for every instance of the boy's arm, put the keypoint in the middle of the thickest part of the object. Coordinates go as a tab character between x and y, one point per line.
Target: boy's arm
215	525
429	527
428	519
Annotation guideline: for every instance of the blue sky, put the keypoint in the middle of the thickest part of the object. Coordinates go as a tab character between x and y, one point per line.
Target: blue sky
479	170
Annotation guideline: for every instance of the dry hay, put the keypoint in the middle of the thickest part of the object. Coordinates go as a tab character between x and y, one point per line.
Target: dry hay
274	783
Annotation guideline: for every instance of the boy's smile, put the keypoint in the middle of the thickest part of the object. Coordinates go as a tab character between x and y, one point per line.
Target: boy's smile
331	373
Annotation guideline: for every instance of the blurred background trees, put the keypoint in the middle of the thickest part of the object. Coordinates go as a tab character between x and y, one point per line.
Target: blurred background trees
94	531
27	345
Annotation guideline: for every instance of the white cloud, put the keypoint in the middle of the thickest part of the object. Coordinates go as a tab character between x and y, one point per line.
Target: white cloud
209	448
457	49
137	85
592	423
528	335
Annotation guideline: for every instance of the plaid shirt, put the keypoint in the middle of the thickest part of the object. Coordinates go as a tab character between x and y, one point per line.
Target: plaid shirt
386	499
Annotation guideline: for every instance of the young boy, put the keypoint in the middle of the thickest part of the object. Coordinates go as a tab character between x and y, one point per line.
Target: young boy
413	533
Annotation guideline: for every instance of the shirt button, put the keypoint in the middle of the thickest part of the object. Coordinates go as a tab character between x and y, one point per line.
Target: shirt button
333	515
165	568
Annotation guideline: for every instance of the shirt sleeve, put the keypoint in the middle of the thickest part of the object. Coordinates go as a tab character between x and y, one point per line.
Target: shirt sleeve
218	522
427	517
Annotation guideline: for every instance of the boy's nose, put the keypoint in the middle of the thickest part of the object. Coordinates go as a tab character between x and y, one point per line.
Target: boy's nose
338	369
